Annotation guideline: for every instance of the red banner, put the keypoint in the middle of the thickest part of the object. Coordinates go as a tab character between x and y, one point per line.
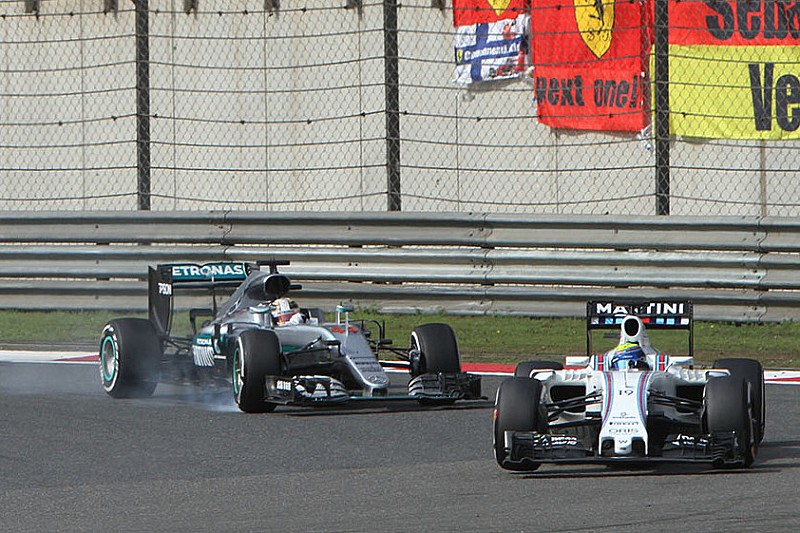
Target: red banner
469	12
735	23
590	62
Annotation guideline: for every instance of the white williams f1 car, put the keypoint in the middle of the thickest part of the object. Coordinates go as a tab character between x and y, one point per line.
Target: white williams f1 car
270	350
633	403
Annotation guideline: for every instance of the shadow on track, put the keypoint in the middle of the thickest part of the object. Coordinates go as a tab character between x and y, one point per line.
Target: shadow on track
216	399
655	471
784	452
772	458
378	406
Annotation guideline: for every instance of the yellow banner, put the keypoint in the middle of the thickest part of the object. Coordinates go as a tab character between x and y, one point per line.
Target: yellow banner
735	92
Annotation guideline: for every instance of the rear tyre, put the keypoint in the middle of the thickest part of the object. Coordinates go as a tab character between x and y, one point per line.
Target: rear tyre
438	350
130	358
517	407
751	371
257	354
728	403
524	369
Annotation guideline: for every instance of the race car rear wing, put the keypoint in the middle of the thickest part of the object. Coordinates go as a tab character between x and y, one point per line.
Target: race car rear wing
165	278
654	314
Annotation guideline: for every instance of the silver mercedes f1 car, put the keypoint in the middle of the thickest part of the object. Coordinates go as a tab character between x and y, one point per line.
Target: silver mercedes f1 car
632	404
269	349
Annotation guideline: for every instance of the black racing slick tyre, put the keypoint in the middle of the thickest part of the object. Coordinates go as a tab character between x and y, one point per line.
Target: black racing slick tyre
728	403
257	354
438	350
130	358
517	407
524	368
751	371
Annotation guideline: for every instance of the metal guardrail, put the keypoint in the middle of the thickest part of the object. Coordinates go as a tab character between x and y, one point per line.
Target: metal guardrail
734	268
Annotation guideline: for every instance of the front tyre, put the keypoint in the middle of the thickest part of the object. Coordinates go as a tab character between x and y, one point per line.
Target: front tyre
130	358
517	407
437	350
751	371
257	354
728	403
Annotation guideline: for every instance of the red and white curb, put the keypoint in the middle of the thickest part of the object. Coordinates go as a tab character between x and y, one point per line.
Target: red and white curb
35	356
780	377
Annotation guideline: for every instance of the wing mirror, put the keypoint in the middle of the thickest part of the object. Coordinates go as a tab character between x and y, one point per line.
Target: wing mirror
346	308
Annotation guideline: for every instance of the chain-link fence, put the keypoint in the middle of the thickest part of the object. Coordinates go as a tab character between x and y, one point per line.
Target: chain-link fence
352	105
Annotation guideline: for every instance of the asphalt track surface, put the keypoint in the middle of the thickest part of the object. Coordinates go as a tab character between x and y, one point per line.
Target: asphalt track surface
74	459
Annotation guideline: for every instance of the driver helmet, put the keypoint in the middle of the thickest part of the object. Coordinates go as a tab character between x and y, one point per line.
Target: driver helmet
283	309
628	355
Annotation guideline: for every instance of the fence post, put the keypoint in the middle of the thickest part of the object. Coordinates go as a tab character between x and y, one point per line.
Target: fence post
143	103
662	106
392	91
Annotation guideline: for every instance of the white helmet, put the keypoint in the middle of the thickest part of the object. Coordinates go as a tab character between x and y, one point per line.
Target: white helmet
283	309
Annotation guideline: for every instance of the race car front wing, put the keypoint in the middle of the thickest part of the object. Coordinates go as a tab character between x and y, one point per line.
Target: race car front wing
304	390
321	390
526	449
461	386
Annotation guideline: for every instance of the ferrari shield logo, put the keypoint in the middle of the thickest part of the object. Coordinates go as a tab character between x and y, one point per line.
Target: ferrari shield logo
595	20
499	5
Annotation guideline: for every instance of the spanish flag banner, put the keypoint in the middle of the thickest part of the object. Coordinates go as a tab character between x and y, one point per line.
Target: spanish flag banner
735	69
590	64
